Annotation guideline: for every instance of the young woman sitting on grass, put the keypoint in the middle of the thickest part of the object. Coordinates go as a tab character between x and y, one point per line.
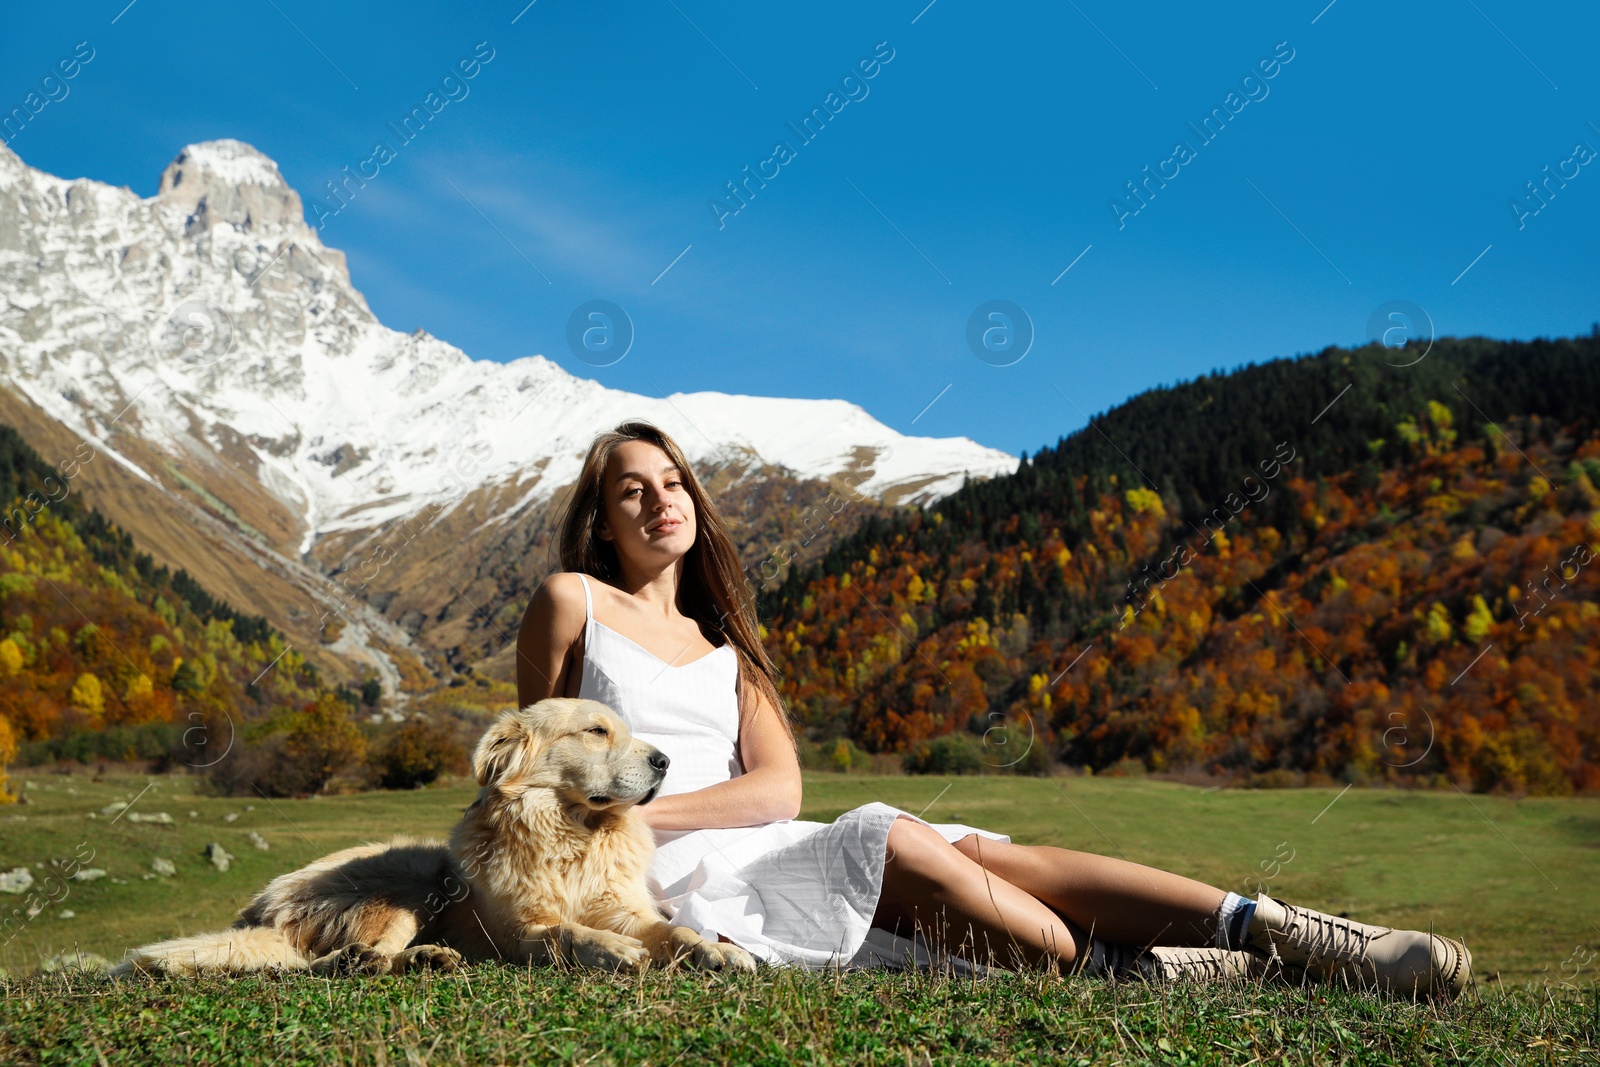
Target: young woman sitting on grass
651	616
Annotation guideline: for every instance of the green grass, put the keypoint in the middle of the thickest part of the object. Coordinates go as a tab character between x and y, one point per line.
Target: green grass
1516	879
497	1014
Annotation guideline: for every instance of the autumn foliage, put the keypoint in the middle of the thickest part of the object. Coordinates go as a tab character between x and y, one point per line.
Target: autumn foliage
1429	613
105	655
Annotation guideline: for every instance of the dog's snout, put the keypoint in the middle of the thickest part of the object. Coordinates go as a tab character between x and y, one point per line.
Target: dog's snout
659	760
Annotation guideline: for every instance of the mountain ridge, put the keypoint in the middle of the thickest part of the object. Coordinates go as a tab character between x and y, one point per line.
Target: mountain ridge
209	345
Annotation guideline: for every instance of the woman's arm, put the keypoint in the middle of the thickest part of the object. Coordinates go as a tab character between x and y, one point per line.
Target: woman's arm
767	791
553	621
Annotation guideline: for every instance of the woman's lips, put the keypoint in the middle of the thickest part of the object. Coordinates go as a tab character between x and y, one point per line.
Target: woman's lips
666	527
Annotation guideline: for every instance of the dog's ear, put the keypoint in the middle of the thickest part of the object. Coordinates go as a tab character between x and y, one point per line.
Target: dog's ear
504	748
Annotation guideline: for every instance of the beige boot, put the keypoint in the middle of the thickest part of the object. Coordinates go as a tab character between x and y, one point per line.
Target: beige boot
1168	963
1177	963
1404	962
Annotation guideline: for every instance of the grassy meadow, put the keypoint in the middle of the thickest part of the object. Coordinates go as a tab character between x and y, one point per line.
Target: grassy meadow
1515	878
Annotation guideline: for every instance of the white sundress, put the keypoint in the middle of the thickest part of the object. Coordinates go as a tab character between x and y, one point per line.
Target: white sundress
789	892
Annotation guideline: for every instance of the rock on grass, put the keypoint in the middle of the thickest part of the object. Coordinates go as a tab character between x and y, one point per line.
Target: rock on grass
219	856
16	880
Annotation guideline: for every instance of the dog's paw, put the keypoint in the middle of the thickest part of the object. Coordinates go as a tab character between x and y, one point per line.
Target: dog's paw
354	959
148	966
722	956
607	951
429	958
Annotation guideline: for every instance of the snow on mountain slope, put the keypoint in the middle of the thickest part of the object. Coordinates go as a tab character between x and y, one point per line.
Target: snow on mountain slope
212	324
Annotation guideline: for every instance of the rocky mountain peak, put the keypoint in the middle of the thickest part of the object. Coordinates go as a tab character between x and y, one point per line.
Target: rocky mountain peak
230	182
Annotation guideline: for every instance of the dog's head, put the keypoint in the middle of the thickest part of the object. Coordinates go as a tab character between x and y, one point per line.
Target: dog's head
580	749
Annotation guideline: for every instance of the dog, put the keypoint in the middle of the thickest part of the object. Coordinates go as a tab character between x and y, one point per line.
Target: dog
547	866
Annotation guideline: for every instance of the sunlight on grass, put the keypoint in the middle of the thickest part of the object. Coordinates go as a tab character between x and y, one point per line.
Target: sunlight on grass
1514	878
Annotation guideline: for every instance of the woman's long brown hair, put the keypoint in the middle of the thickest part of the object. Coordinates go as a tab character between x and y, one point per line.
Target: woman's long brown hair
714	590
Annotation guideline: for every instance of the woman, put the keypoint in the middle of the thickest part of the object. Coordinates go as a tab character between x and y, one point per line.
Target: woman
652	616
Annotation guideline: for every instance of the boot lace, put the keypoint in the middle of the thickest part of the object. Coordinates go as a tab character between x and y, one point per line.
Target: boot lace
1201	965
1327	938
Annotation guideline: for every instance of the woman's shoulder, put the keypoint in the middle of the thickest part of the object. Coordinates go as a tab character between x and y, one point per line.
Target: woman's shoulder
559	602
564	586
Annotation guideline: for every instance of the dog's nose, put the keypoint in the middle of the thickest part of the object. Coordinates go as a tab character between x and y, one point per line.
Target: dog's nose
659	760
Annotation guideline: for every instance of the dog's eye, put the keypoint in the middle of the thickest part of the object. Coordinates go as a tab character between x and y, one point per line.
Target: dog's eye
600	730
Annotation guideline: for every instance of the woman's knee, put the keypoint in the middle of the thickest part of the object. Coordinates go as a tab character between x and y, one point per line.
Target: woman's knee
968	846
917	847
985	850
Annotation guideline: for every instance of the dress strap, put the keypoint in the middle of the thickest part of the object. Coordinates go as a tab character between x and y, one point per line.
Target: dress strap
588	602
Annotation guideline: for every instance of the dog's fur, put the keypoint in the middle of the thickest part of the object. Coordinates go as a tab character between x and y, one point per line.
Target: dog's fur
547	865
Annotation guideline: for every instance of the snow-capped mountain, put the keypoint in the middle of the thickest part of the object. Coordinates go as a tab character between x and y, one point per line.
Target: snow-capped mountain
208	343
212	313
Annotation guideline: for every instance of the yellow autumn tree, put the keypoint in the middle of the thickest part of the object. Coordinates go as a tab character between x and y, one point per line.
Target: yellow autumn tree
1142	500
1479	620
88	694
1438	626
10	657
1443	423
8	752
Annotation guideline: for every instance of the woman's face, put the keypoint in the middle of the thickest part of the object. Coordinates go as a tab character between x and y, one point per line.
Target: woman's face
648	513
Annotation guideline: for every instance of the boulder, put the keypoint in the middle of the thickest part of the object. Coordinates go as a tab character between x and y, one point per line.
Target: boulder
16	880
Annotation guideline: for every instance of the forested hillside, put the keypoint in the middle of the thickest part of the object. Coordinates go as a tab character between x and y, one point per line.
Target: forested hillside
1339	565
105	655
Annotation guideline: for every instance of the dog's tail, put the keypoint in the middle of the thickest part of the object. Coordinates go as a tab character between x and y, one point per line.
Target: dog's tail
242	949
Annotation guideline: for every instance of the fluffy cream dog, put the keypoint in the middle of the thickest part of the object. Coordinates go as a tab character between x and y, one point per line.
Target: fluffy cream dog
547	865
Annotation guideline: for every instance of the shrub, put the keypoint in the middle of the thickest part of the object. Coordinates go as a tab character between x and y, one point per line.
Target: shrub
416	754
160	742
258	767
951	754
323	739
1273	778
1127	767
1014	748
318	742
839	754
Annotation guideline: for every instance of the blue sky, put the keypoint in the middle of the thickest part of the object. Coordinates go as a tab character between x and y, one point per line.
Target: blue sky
1378	163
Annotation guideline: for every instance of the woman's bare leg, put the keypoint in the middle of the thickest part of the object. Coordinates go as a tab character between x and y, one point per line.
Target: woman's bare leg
969	912
1126	903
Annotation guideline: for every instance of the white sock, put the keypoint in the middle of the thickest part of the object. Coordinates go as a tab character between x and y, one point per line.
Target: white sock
1233	920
